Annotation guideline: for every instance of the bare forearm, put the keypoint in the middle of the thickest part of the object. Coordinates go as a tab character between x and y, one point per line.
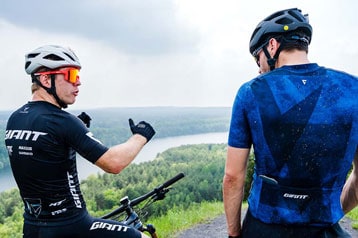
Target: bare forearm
233	194
120	156
233	187
349	197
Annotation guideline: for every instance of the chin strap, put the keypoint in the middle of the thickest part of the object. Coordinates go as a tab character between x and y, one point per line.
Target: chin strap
51	90
271	61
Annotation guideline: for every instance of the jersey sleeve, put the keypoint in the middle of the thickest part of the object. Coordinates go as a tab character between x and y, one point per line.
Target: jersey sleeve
83	141
239	133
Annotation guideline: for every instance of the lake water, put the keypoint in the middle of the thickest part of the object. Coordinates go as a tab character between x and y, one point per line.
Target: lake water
149	152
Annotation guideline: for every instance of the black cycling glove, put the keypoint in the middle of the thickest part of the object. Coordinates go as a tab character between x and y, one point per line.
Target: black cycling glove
143	128
85	118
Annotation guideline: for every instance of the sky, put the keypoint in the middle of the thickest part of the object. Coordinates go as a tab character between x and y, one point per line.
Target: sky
144	53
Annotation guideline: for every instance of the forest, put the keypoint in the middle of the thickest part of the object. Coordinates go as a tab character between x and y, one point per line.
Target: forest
110	125
203	166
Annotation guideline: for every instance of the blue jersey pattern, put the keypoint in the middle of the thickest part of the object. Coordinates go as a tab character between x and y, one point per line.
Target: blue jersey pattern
303	124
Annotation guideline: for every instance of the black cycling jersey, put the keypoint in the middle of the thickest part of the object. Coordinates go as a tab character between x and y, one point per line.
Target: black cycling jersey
42	141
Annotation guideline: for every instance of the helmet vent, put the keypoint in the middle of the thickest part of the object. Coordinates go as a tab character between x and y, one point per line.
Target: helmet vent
32	55
27	64
284	21
69	56
53	57
295	15
269	18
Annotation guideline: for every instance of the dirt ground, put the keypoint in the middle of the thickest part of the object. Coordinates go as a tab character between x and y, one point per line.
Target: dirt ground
216	228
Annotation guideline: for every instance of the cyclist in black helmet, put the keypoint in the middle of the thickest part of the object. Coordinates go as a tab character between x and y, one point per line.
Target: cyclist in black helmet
42	142
287	29
302	121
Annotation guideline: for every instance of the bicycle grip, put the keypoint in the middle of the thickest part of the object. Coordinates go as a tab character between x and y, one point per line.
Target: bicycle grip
173	180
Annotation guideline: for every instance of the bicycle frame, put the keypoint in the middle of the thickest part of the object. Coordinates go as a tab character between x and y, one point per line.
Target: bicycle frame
127	206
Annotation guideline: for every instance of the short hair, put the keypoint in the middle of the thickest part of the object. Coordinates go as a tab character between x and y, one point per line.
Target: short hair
34	87
297	40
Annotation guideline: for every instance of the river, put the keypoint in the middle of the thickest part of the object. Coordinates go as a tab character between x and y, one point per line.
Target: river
149	152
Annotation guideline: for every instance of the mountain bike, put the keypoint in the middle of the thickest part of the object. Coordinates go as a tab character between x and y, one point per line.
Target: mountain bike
126	214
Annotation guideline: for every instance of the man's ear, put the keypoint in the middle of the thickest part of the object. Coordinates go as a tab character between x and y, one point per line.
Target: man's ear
273	46
45	80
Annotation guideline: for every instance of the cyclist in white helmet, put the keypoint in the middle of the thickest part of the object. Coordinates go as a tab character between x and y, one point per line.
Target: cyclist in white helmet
42	142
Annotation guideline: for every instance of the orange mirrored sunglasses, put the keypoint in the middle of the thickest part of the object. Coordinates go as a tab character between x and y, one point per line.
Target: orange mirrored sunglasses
71	74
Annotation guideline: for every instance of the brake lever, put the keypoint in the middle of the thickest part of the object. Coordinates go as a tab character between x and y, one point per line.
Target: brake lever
160	194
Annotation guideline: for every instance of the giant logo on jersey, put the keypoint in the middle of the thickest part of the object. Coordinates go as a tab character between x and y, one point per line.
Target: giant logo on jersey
23	135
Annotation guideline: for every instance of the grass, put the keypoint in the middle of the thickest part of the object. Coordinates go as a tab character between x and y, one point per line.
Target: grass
177	219
353	215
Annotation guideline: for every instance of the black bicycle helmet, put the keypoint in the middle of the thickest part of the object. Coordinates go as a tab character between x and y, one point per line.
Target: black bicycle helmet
281	22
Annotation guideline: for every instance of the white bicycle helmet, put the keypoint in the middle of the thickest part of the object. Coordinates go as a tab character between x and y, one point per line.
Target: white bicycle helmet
52	57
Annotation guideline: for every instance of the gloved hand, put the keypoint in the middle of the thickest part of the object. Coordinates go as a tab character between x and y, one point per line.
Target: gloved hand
85	118
143	128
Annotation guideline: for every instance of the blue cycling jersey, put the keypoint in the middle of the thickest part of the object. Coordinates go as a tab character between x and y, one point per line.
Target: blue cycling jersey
302	121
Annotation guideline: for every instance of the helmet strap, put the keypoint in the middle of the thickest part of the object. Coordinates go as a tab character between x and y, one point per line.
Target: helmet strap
271	61
51	90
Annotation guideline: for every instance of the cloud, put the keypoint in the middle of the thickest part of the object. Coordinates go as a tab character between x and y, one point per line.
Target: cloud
160	52
132	26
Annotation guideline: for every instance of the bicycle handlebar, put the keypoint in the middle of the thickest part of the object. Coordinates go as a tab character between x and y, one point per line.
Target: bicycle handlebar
156	191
